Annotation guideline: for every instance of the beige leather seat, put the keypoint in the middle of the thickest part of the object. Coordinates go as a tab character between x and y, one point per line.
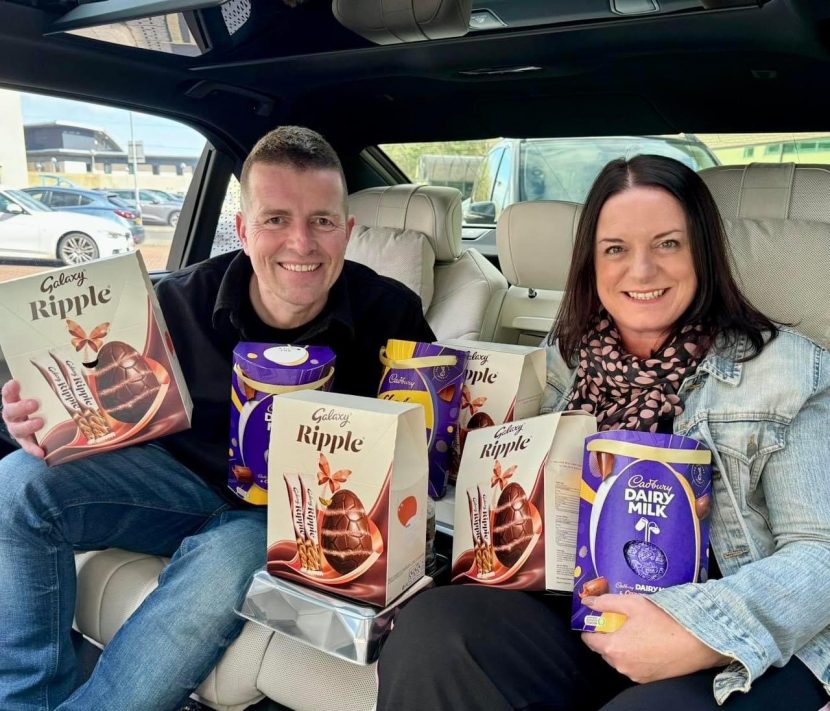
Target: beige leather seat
535	241
777	217
412	233
113	583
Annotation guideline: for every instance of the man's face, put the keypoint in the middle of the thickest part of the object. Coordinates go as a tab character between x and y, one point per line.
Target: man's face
295	229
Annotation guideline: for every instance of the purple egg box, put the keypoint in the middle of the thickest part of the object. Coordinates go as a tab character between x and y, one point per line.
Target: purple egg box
431	375
643	517
260	371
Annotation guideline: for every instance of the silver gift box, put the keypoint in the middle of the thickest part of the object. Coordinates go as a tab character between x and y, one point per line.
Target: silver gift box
346	629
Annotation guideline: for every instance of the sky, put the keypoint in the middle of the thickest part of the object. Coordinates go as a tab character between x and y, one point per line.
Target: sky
160	136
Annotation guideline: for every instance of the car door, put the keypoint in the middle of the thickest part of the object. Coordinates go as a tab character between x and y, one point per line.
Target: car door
151	208
20	233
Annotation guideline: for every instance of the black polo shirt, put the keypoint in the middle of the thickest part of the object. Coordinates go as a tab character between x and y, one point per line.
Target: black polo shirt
208	311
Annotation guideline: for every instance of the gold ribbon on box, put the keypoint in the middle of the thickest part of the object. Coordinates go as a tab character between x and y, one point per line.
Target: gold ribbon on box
400	355
272	389
657	454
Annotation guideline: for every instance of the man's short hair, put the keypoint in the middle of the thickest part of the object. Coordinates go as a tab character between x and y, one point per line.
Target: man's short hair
294	146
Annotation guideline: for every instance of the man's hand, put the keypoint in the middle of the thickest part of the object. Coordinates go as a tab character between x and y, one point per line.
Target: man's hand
16	415
650	645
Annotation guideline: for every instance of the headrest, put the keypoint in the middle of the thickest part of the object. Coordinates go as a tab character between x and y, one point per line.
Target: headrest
396	21
760	191
404	255
535	242
432	210
782	268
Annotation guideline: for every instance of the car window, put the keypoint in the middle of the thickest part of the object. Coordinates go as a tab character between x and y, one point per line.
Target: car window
61	199
41	195
565	168
28	201
91	147
117	201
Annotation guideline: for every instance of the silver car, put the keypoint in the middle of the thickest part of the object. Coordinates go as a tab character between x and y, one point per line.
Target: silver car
155	210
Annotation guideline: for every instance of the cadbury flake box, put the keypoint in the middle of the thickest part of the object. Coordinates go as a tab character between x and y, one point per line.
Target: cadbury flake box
90	344
347	494
431	375
643	518
516	503
260	371
502	383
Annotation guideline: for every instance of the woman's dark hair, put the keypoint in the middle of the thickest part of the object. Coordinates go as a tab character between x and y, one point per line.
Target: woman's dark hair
718	304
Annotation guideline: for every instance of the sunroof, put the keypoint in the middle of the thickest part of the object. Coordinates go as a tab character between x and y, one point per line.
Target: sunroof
164	33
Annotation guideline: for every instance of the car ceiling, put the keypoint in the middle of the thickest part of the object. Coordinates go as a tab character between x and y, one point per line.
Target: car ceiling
728	70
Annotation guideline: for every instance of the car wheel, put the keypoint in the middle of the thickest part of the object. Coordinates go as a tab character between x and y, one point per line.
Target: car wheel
77	248
173	218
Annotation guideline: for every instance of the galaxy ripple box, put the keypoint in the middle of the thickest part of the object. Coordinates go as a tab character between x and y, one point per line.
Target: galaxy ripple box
261	371
502	383
643	518
347	492
516	503
90	344
430	375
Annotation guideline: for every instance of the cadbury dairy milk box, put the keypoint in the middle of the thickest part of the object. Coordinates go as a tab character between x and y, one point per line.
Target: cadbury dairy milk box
347	494
260	371
431	375
516	503
90	344
643	518
502	383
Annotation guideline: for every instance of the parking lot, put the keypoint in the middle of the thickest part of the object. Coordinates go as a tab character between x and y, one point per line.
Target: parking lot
154	249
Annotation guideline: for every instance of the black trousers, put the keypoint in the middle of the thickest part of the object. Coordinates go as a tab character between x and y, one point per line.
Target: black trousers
478	648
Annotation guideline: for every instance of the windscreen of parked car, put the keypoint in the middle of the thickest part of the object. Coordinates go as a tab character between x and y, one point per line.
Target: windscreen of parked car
28	201
565	168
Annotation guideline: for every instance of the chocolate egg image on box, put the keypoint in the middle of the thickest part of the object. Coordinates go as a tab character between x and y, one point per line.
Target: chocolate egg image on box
646	559
513	525
479	420
126	385
346	538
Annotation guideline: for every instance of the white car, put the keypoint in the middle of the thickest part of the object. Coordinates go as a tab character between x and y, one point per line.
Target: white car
30	230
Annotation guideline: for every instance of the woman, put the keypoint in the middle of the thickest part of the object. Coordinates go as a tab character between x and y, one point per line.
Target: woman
650	278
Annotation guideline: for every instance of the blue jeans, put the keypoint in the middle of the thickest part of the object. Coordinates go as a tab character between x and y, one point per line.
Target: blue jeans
140	499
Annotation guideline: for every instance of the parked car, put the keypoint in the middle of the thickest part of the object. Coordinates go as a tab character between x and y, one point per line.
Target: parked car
155	210
30	230
167	196
517	170
91	202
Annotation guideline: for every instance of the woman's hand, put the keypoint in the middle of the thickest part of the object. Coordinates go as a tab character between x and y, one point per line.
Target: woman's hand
650	645
16	415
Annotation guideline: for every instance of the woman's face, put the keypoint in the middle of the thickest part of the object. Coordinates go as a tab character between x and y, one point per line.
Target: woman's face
644	269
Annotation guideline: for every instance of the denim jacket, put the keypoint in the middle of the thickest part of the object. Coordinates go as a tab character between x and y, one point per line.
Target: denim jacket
767	422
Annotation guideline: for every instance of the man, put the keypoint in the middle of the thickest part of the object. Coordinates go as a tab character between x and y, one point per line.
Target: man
290	284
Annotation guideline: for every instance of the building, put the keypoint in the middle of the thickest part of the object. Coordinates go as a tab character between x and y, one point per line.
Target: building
64	147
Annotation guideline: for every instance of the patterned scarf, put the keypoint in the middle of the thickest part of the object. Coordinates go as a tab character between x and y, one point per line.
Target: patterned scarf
627	392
